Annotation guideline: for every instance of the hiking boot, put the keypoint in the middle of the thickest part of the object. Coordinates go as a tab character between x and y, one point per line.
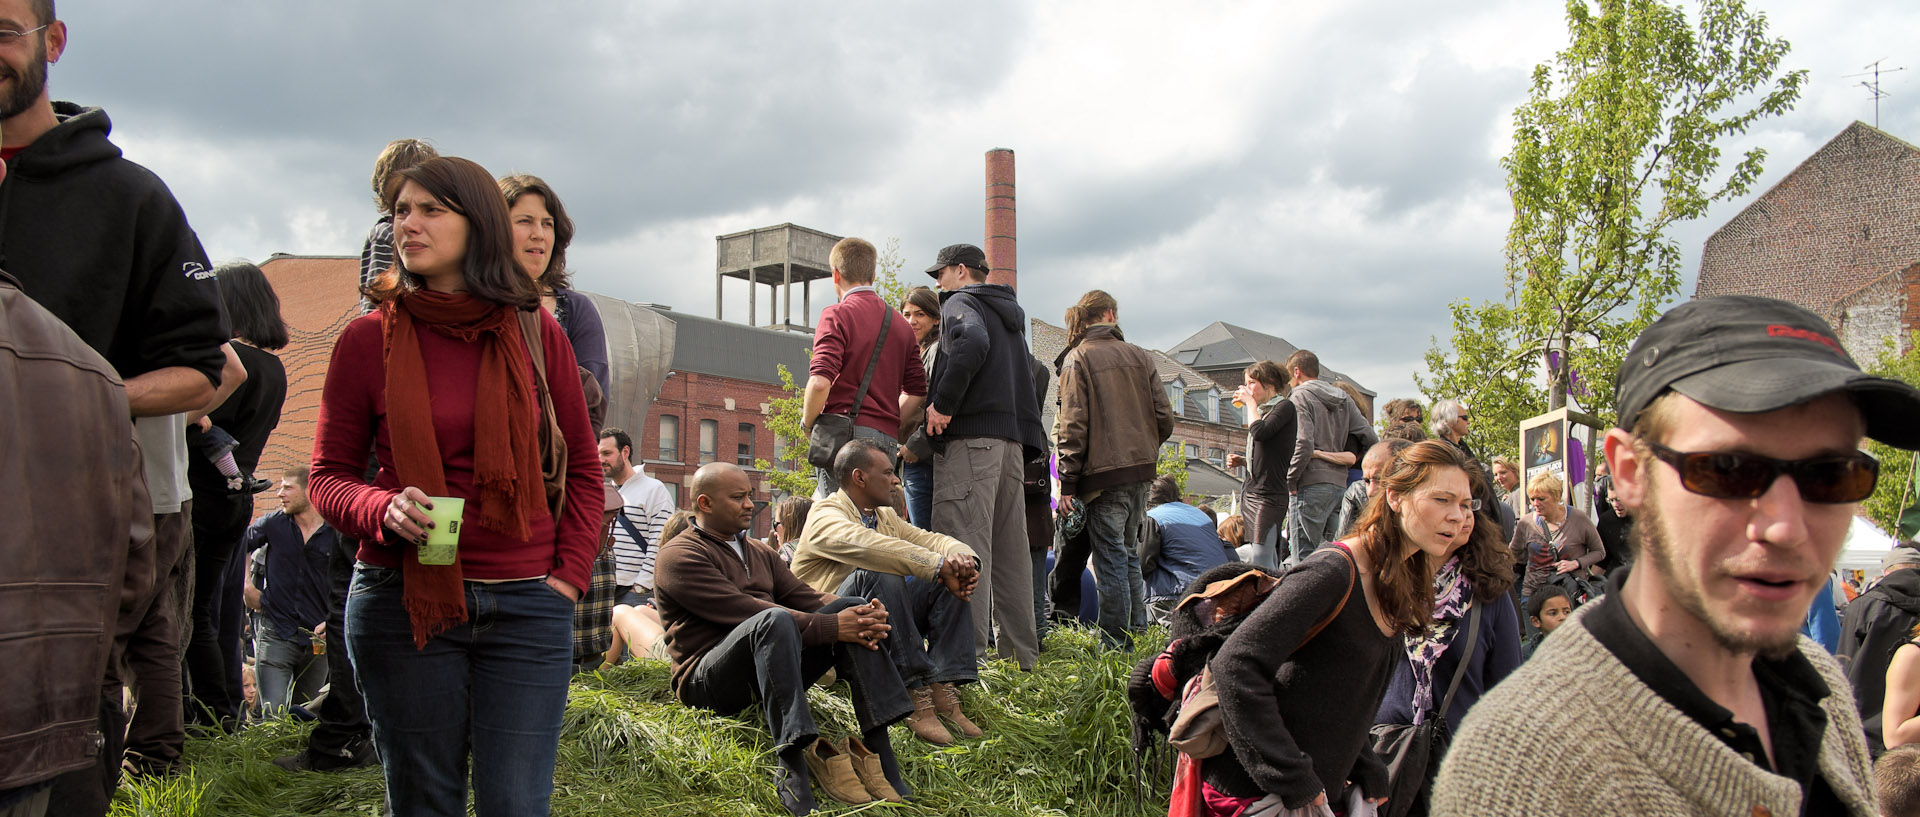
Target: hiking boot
946	701
832	768
866	764
925	722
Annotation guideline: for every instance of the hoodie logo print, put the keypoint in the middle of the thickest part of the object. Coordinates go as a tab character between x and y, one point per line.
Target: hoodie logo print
196	270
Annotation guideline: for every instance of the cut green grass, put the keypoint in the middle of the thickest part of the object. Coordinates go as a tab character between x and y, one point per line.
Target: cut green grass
1056	744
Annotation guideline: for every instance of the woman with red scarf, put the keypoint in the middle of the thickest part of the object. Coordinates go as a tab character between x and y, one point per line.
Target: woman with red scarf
471	658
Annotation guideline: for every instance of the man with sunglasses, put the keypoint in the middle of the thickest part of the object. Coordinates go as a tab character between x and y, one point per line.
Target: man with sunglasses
1689	688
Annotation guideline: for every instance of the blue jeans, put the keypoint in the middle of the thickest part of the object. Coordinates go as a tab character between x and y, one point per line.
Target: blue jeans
289	672
496	685
932	637
917	478
1113	520
1314	517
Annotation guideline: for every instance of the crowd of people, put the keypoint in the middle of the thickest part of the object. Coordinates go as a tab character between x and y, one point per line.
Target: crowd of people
469	534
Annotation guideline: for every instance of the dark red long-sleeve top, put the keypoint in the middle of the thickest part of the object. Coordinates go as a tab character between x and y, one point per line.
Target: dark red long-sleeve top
842	344
353	414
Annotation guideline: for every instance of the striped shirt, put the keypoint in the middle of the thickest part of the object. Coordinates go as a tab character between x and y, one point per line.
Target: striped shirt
376	255
648	504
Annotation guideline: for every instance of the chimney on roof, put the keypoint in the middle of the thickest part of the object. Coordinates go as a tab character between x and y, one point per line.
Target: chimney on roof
1002	227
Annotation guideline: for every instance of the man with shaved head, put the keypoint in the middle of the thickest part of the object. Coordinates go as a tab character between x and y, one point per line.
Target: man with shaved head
742	630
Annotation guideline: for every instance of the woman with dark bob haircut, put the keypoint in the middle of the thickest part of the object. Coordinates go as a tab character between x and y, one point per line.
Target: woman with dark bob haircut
228	442
541	233
1300	680
472	658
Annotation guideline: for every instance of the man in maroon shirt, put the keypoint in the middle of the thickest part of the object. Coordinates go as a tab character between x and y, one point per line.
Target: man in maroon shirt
843	344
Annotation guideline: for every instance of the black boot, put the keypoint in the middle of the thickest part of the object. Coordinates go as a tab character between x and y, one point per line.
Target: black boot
793	783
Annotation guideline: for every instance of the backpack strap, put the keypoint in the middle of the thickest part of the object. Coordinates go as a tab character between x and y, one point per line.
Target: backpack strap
1353	574
1473	638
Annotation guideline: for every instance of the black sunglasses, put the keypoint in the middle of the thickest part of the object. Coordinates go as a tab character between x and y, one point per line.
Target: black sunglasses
1828	480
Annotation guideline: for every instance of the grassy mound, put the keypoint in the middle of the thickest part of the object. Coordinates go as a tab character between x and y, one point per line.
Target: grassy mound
1056	743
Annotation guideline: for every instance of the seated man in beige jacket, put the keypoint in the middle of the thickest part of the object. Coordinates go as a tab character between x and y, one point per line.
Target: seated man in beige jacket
855	543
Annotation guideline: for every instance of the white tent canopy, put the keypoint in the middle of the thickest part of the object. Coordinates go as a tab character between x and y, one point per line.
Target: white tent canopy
1864	546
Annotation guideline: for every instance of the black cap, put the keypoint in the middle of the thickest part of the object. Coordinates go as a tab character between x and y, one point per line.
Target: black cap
1748	354
958	254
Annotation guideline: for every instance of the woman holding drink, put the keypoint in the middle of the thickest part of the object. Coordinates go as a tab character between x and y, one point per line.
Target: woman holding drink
470	657
1271	423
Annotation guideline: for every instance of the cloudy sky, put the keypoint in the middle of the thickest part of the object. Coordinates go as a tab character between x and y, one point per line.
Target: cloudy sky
1326	172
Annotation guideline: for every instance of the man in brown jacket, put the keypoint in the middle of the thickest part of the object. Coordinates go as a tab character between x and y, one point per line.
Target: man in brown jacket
743	629
76	582
1114	415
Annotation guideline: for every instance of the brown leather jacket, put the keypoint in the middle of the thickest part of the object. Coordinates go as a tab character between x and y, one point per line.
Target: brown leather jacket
1114	414
77	540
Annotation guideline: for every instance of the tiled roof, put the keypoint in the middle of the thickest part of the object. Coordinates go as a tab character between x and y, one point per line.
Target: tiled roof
1226	346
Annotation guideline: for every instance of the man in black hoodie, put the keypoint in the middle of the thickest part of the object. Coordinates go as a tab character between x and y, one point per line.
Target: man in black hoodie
101	243
985	420
1876	624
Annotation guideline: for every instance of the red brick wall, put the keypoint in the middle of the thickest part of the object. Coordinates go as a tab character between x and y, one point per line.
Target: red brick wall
1844	218
318	296
1910	319
693	397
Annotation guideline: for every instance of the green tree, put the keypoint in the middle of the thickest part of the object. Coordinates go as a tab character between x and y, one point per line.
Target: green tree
1619	139
790	473
886	276
1895	504
1173	463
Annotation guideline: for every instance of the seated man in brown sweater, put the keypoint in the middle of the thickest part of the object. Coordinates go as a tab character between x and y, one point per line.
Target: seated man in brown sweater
742	629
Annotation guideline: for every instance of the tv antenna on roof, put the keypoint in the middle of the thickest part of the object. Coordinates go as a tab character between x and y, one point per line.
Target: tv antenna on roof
1873	86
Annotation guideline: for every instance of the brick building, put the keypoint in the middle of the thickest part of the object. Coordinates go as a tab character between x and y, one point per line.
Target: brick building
1222	352
715	402
1840	235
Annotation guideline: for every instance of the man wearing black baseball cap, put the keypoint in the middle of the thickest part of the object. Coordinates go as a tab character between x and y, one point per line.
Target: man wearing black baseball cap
1689	688
984	420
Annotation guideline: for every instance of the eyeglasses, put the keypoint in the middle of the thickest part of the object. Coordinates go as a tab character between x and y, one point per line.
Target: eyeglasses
9	37
1828	480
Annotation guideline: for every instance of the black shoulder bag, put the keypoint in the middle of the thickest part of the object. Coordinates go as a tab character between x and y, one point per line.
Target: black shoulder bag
830	431
1412	752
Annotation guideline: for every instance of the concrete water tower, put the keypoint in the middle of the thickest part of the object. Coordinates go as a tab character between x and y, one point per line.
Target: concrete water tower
776	257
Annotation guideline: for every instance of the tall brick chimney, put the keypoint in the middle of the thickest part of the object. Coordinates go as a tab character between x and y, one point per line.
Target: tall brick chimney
1002	226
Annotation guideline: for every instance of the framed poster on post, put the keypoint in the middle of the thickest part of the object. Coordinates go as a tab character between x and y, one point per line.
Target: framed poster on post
1564	443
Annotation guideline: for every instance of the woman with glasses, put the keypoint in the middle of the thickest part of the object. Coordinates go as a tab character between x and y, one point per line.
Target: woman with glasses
1301	679
922	311
1452	422
1571	543
1469	589
464	663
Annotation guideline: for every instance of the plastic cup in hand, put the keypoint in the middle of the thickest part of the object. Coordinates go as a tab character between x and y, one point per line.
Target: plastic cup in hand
443	539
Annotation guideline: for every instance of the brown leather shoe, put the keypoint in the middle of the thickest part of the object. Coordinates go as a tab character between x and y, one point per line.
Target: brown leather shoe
946	701
866	764
832	768
925	722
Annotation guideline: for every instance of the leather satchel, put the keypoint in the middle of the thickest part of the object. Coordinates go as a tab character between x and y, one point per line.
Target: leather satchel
1198	731
831	431
1412	752
553	443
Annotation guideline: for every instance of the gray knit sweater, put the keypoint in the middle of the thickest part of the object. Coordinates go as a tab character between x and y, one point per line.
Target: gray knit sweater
1574	731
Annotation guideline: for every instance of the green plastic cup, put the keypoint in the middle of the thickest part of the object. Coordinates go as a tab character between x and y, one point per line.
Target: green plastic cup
443	539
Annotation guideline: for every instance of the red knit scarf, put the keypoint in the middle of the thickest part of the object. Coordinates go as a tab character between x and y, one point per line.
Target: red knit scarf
506	455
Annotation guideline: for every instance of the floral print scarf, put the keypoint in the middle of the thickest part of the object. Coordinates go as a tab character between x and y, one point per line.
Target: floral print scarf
1451	593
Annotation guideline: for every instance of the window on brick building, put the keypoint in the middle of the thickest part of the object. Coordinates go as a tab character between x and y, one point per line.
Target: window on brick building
745	458
709	441
1177	395
1217	456
669	438
1193	451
